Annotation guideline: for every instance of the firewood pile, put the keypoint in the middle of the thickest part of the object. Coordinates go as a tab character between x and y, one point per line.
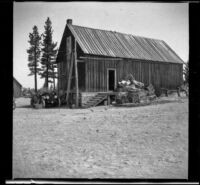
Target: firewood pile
133	91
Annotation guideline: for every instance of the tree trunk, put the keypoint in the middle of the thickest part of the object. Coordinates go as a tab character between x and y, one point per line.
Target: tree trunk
35	81
47	76
47	79
53	78
54	85
35	71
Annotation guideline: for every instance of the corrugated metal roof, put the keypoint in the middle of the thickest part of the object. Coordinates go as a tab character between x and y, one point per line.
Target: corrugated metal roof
115	44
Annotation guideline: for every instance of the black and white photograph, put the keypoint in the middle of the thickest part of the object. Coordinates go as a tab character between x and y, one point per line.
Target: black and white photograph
100	90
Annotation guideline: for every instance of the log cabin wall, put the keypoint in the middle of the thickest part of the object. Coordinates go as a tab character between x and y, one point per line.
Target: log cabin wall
161	75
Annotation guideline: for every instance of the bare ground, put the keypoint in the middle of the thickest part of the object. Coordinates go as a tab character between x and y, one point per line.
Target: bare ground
101	142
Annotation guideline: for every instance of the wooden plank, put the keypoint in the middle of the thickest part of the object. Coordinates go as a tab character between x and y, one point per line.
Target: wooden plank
105	76
95	76
140	71
181	74
68	52
67	70
69	45
76	75
100	58
86	76
91	76
100	76
69	79
97	68
89	69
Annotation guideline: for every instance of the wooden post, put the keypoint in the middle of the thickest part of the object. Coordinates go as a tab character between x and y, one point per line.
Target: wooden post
69	79
178	91
58	81
76	74
108	99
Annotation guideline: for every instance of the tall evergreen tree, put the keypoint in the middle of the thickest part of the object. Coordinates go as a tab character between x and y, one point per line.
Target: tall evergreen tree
54	74
34	54
49	52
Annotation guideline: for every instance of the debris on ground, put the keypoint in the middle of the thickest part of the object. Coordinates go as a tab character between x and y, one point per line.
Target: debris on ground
44	99
133	91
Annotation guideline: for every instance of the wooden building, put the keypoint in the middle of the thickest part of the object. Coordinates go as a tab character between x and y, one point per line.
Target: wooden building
102	58
17	88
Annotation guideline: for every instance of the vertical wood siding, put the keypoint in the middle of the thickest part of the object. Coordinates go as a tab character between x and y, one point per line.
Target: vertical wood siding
64	61
165	75
168	75
17	89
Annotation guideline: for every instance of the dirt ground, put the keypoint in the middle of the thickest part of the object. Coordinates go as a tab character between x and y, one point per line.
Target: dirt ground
101	142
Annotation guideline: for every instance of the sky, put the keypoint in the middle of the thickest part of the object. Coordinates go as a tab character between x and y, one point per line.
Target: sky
165	21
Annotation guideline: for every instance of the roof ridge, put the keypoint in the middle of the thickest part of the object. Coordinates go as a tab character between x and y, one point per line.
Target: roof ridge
124	45
117	32
169	48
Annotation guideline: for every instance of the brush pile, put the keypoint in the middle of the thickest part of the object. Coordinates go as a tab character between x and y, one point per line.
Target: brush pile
133	91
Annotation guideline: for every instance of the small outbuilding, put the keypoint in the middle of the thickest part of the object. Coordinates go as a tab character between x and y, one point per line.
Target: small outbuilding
17	88
92	61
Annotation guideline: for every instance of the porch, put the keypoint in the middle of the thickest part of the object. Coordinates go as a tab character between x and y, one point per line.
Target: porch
91	99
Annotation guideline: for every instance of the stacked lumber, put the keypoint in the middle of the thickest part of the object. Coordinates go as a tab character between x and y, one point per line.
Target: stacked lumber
134	82
136	91
151	90
143	96
133	97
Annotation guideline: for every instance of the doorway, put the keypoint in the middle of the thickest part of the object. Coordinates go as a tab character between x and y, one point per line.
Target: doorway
111	79
81	76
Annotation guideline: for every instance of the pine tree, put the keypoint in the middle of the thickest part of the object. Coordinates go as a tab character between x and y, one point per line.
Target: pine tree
54	74
34	54
49	54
